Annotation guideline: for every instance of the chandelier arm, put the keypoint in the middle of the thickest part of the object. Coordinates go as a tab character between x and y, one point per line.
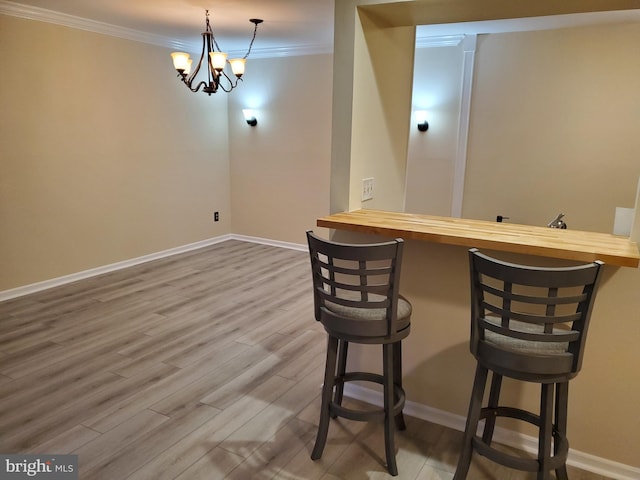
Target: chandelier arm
234	80
195	71
229	79
211	75
197	87
231	83
202	84
224	89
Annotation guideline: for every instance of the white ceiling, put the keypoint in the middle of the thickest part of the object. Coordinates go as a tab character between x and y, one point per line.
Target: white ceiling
287	23
290	26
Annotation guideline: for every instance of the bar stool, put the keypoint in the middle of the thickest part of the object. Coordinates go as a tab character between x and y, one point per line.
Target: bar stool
530	324
355	291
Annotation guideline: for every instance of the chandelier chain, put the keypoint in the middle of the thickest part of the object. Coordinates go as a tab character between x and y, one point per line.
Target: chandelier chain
255	29
255	22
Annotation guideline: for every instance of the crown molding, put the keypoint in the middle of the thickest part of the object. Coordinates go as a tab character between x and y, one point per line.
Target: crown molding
49	16
438	41
57	18
289	51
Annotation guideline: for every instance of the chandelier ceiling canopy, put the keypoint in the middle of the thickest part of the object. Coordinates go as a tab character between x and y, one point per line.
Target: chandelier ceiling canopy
214	61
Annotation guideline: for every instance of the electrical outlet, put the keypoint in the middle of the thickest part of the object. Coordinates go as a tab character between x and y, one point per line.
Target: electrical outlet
216	216
367	188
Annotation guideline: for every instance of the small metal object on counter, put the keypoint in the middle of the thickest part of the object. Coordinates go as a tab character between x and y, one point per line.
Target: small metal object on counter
500	218
557	222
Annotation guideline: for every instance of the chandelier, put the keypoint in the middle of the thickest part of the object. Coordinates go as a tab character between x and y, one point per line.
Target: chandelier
215	62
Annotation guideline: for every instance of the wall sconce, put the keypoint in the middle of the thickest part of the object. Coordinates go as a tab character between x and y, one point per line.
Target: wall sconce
421	118
250	117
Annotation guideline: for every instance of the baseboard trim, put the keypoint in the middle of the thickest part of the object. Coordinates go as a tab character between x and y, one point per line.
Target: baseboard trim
273	243
584	461
93	272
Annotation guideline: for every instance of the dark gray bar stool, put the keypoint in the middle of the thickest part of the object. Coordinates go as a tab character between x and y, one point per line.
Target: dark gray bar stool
355	290
530	324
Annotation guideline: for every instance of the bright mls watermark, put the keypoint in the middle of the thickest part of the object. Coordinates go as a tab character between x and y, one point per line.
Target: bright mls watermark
40	467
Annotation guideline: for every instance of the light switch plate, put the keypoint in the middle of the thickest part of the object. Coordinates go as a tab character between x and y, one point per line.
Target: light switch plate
367	188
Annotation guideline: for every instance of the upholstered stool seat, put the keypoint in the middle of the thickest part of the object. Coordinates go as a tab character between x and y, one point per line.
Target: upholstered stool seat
373	320
356	299
527	323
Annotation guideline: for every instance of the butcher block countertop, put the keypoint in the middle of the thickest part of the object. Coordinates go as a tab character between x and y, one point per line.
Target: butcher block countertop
507	237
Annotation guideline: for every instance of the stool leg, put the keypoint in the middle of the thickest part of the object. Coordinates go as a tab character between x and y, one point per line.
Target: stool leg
562	400
397	378
389	421
343	347
546	431
494	397
327	392
473	417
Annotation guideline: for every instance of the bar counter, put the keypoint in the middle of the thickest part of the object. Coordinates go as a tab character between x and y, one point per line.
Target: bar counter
507	237
438	369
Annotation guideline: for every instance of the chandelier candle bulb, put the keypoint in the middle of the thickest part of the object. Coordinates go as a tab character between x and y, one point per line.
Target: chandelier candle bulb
181	61
218	60
237	66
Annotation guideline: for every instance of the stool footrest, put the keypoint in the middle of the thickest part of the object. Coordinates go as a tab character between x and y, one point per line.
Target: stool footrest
511	412
513	461
366	415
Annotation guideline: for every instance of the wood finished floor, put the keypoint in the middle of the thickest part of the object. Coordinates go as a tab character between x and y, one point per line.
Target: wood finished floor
205	365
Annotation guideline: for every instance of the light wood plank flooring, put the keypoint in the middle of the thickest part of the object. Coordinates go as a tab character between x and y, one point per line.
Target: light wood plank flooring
205	365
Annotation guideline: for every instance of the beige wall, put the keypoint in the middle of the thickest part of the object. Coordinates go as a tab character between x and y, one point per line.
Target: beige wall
603	419
280	168
380	117
108	157
578	129
105	156
437	88
554	126
357	87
